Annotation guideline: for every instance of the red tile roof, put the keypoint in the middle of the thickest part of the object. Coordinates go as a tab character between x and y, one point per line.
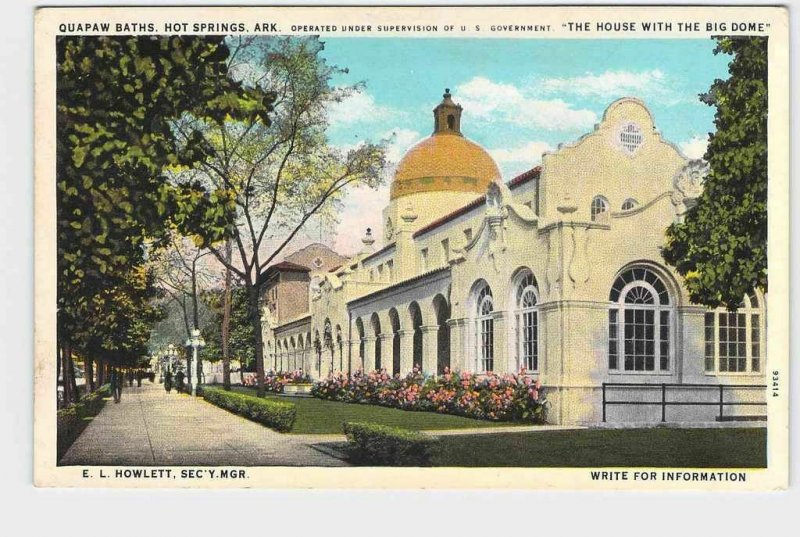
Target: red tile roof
286	266
514	183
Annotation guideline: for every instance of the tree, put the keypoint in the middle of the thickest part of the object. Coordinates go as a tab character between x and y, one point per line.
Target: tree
116	100
279	175
241	338
182	273
721	247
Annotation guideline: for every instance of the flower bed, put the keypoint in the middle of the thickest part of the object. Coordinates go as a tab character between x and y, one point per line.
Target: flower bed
509	397
276	381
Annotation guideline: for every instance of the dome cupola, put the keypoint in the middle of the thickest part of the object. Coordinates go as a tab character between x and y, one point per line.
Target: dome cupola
446	161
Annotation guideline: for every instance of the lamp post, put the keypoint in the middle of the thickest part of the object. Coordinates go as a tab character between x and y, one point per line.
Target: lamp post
169	358
195	342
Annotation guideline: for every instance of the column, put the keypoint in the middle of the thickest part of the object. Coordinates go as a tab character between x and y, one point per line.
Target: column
430	348
462	357
369	354
386	351
351	359
501	358
406	351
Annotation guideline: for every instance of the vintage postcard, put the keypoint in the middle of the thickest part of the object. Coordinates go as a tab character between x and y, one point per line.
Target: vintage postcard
406	247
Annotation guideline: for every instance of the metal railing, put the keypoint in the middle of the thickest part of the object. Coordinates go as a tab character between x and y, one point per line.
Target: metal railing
664	403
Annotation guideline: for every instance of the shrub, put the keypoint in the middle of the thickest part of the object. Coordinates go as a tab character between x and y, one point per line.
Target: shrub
274	414
382	445
71	421
509	397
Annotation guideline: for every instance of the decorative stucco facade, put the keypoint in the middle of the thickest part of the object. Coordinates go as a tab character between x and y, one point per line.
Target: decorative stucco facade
557	271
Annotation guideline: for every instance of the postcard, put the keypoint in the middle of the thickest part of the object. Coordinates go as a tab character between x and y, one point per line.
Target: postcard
412	247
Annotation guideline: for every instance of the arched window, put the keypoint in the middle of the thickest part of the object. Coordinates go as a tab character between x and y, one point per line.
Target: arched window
733	338
599	208
527	298
639	323
484	329
629	204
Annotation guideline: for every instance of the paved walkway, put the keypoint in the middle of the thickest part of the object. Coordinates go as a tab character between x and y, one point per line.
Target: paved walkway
151	427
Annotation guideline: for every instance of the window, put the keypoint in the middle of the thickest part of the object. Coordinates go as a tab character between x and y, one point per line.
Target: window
639	323
424	259
468	234
599	208
380	273
629	204
630	137
733	338
485	329
446	250
528	323
390	270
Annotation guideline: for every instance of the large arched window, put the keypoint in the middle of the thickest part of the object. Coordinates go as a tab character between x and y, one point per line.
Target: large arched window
484	328
527	299
599	209
734	338
639	323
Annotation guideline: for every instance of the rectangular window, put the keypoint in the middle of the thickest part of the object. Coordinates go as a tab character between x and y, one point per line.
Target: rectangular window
710	333
446	250
664	341
755	342
612	340
424	259
639	340
380	273
530	344
487	344
732	343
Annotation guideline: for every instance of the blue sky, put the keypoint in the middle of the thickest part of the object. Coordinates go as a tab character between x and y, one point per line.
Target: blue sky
520	97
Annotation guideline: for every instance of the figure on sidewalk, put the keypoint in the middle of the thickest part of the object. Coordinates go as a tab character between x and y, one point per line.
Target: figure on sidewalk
168	381
116	384
179	381
138	378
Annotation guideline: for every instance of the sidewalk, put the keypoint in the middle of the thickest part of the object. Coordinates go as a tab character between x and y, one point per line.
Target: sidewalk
150	427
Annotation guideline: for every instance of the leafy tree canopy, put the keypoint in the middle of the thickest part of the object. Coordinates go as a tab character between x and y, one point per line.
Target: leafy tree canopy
721	247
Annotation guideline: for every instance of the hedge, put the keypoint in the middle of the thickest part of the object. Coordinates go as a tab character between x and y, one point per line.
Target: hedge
274	414
71	421
381	445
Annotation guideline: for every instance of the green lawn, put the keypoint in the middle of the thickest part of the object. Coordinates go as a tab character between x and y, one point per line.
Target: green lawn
660	447
316	416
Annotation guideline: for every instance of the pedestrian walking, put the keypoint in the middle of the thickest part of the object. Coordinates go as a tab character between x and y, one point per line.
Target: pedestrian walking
138	378
168	381
116	384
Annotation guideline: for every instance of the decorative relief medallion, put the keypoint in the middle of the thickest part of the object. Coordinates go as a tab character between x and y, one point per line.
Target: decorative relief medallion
629	137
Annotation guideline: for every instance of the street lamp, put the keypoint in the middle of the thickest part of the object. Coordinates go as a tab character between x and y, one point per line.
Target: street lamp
168	360
195	342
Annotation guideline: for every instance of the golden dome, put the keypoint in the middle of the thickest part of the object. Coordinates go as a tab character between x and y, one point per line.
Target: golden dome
446	161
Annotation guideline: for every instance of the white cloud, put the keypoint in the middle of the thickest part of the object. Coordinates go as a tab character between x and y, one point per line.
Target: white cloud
359	108
496	102
652	85
695	147
528	154
399	141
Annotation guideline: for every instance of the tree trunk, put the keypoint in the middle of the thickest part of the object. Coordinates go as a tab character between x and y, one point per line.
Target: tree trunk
66	357
255	319
73	383
226	322
88	374
101	373
196	320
